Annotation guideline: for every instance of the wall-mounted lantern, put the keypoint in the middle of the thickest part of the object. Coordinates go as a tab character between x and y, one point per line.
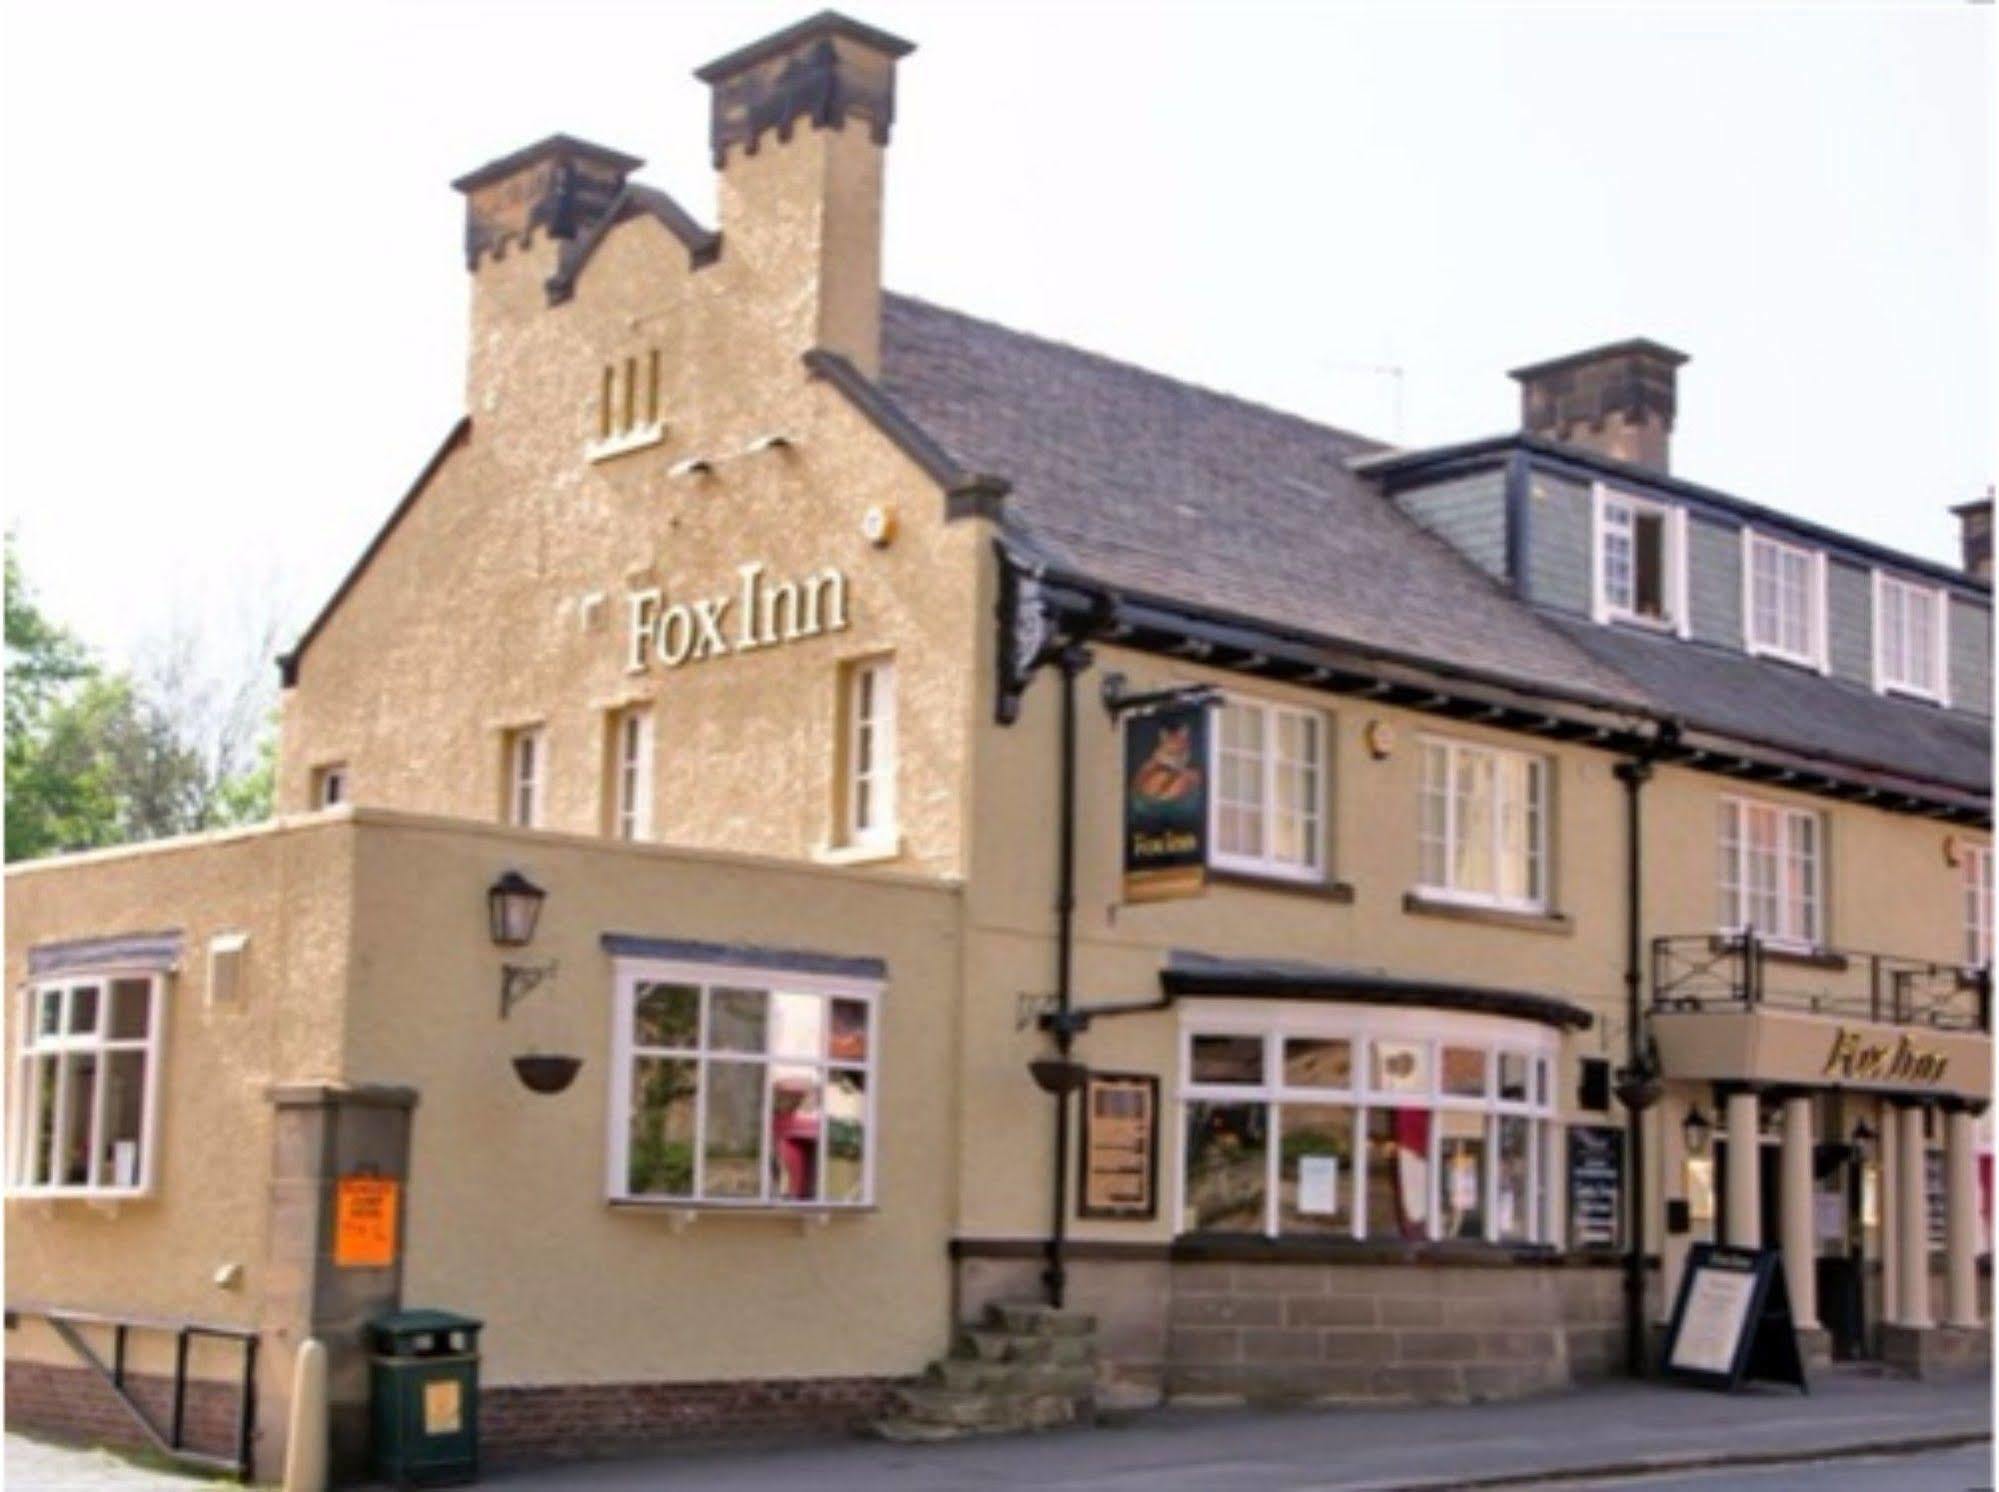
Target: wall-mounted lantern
514	905
1699	1131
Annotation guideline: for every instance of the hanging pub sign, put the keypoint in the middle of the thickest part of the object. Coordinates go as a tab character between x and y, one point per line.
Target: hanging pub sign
1596	1186
1732	1321
1165	803
1120	1142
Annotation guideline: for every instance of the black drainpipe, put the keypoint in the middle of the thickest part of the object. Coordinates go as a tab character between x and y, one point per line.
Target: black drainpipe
1639	1088
1073	660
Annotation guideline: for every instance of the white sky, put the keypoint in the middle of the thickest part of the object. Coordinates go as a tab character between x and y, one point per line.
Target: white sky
234	296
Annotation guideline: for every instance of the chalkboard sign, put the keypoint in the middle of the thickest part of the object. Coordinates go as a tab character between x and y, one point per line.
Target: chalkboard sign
1732	1321
1596	1186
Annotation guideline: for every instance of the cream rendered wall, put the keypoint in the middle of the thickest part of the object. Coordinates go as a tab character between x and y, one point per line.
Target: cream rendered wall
1890	889
288	886
469	622
507	1213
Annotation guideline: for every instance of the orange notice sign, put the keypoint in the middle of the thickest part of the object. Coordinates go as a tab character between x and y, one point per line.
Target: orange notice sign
364	1222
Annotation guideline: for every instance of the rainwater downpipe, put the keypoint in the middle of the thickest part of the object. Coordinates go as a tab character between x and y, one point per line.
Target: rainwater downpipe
1073	660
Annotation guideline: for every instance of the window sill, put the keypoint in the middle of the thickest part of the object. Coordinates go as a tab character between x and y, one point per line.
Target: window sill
1780	953
1911	694
1790	660
1661	626
680	1216
868	853
1525	919
612	446
1333	891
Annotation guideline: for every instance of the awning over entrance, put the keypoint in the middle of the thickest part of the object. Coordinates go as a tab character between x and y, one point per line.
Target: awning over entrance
1190	973
1793	1049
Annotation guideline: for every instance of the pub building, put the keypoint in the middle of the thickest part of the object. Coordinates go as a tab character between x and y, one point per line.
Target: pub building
820	821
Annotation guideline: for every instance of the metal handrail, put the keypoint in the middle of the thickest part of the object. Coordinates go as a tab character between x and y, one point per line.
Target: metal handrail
171	1442
1694	971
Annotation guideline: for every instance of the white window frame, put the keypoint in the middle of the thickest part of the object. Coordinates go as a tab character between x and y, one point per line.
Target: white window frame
629	974
1816	654
1269	863
1788	818
876	732
1977	892
1432	1030
1937	688
632	773
527	777
1539	813
31	1052
329	785
1672	584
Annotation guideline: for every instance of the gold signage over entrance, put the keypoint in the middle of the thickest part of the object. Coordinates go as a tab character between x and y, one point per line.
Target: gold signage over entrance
1856	1059
759	613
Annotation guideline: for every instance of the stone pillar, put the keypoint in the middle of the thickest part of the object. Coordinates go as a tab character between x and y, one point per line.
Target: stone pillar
1888	1199
1672	1188
1745	1163
1912	1219
1800	1250
1961	1183
324	1132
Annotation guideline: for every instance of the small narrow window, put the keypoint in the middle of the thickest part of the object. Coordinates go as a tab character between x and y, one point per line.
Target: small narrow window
631	773
329	786
526	768
1978	905
1909	637
629	412
870	752
652	387
1785	602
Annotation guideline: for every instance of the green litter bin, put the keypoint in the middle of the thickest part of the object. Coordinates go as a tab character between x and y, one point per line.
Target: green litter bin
424	1382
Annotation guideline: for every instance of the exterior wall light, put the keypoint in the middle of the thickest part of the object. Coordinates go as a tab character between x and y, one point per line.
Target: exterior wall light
514	905
1699	1131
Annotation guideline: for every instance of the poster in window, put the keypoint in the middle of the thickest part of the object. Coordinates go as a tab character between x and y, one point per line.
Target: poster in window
364	1222
1120	1142
1166	803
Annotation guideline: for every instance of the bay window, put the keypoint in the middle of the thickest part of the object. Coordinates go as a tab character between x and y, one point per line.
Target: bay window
1784	599
85	1086
1910	637
1483	826
1772	872
732	1087
1269	790
1317	1126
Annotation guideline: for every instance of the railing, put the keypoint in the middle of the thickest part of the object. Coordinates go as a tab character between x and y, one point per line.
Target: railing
1708	971
172	1440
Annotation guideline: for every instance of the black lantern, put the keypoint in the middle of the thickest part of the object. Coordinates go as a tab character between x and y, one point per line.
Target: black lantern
1698	1129
1864	1135
514	904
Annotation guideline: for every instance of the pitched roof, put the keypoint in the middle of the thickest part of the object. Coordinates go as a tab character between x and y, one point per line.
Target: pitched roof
1146	484
1151	485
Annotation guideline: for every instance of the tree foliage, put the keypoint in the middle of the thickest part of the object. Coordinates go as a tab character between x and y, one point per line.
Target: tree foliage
101	757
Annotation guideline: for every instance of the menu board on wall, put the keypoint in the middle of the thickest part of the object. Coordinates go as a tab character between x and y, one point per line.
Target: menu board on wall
1936	1203
1732	1320
1596	1186
1120	1144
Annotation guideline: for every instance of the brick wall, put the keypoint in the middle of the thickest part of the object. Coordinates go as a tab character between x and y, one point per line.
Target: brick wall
586	1419
75	1404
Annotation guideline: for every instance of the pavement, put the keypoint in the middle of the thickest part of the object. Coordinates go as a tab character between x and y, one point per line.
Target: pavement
1851	1433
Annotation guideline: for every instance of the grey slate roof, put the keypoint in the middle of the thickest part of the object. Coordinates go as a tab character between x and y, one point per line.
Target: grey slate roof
1149	485
1156	486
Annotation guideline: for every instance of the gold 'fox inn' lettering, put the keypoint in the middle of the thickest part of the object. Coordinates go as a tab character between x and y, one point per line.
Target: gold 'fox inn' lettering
758	614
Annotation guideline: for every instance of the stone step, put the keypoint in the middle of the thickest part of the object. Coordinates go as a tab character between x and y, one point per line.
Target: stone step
980	1376
904	1431
989	1344
1029	1318
956	1408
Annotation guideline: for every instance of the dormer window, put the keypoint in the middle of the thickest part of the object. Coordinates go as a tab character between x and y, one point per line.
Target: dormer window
1911	638
628	407
1641	567
1783	600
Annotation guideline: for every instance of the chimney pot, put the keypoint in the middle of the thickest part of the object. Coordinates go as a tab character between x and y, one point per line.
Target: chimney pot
561	185
1974	521
1617	400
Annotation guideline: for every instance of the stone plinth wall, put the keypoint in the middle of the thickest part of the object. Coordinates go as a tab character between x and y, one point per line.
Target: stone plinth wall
585	1419
1421	1331
76	1404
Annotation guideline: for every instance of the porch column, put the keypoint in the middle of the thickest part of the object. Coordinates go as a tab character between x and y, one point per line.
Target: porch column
1913	1220
1888	1201
1961	1183
1672	1188
1745	1160
1800	1253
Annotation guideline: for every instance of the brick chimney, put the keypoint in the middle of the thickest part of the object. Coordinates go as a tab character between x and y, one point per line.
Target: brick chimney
799	128
1974	531
1617	400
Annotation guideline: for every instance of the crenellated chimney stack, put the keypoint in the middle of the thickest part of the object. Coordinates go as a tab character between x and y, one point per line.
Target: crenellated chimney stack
799	128
1617	400
1974	533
